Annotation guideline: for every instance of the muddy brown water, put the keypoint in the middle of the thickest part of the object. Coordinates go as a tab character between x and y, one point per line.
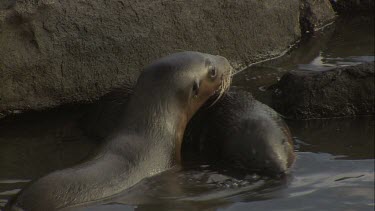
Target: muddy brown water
335	162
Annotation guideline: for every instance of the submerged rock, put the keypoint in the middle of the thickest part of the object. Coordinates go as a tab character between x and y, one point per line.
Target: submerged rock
344	91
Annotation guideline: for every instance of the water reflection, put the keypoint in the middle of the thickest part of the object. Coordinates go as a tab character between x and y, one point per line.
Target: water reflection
349	138
316	185
35	144
347	42
196	188
318	181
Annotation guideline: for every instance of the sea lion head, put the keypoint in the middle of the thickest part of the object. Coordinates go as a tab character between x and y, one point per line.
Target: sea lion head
188	78
177	85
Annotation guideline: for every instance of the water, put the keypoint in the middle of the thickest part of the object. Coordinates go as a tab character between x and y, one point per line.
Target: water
335	162
347	42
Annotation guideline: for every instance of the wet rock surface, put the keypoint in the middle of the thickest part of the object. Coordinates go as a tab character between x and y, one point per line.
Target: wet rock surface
56	52
344	91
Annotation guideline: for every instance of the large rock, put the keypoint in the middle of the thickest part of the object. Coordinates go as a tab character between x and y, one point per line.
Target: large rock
345	91
55	52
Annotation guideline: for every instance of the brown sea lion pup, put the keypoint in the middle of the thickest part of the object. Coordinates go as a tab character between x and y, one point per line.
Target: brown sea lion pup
242	133
237	132
147	139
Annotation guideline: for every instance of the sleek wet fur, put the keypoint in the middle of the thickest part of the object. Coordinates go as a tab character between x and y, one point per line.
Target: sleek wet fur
147	139
242	133
237	132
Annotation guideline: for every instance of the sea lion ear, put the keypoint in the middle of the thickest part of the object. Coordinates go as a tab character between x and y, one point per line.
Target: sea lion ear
196	88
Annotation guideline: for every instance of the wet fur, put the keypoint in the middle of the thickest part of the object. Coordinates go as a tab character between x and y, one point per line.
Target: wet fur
147	133
240	132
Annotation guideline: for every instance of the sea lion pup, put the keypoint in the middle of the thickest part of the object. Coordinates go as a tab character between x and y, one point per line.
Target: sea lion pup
147	140
237	132
241	133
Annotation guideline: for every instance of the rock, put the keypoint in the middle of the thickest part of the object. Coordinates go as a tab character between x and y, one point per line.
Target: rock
345	91
346	7
56	52
315	14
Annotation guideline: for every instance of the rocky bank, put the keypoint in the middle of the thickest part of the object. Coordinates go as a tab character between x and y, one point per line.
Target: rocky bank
344	91
55	52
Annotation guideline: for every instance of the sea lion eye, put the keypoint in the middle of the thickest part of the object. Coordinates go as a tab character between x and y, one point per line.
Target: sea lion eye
212	71
196	88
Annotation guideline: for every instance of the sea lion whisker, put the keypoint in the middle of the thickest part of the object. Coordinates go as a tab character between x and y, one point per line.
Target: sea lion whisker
224	86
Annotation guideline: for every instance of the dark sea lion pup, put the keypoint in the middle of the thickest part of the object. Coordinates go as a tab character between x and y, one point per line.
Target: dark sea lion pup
147	140
236	132
242	133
